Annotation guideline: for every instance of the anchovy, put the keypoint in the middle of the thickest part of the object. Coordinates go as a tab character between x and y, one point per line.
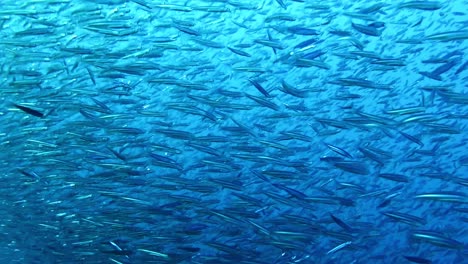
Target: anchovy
419	260
444	197
367	30
406	218
463	67
421	4
239	52
340	151
298	30
259	87
342	224
436	238
29	110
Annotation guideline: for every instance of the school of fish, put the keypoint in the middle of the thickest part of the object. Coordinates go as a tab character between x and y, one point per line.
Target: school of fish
234	131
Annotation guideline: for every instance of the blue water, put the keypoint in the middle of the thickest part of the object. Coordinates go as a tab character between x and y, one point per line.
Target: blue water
278	131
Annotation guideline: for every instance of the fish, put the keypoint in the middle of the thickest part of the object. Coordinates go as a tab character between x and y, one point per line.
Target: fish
423	5
29	110
342	224
454	197
405	218
289	89
394	177
436	239
259	87
339	247
239	52
416	259
355	167
292	192
367	30
299	30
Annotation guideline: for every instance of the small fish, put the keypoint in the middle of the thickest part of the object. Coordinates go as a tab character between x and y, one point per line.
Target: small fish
436	239
367	30
259	87
342	224
406	218
29	110
340	246
298	30
454	197
421	5
416	259
239	52
339	150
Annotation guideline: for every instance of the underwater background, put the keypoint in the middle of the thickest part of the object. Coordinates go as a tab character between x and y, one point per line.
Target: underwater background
233	131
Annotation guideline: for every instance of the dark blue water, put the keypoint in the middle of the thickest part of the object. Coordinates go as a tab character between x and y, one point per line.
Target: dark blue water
279	131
